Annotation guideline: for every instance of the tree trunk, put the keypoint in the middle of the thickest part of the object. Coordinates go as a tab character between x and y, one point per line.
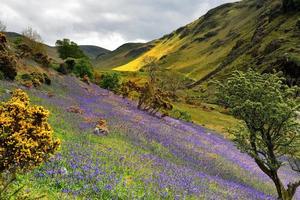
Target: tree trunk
283	194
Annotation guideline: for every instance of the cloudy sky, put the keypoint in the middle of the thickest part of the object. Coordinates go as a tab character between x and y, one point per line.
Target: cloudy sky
105	23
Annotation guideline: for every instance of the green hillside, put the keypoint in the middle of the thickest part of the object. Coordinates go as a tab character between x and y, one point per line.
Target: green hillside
93	51
240	35
121	55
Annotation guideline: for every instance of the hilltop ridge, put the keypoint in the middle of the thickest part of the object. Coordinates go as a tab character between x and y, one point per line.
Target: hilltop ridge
246	34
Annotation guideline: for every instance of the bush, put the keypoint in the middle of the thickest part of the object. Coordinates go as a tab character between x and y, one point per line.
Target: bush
8	65
110	81
182	115
83	68
35	79
26	137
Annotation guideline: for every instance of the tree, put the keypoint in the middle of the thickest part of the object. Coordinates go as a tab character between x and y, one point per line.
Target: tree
82	68
2	27
270	131
171	82
33	39
110	81
69	49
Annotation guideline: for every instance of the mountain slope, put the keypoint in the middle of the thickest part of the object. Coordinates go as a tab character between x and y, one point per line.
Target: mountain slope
233	36
93	51
121	55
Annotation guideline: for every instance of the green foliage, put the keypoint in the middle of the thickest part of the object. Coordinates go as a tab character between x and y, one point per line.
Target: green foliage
182	115
268	109
35	79
67	67
110	81
82	68
68	49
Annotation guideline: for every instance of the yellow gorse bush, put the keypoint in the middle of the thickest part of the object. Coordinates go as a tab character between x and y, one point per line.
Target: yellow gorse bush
26	138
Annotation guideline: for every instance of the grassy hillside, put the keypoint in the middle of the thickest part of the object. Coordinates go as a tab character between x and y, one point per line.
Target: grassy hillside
143	157
233	36
121	55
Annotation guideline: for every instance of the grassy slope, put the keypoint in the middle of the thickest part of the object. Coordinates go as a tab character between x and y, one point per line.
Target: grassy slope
117	57
126	141
227	24
93	51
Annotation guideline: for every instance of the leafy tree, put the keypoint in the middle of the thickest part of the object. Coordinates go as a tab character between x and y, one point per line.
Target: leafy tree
68	49
270	132
34	40
110	81
82	68
2	27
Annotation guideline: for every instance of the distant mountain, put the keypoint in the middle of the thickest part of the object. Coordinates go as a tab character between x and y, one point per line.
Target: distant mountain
93	51
249	33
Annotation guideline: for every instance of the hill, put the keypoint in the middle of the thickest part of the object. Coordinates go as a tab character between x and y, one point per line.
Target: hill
122	55
240	35
93	51
143	156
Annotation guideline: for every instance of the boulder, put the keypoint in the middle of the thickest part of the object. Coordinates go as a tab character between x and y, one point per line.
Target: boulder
101	128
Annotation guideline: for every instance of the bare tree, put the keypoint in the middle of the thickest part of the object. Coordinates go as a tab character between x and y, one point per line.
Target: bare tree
2	27
33	39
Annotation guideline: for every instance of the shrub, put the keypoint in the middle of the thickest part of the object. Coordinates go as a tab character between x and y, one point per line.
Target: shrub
26	138
110	81
67	67
35	79
83	67
8	65
182	115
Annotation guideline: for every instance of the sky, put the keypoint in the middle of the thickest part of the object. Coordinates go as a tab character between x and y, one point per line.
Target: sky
105	23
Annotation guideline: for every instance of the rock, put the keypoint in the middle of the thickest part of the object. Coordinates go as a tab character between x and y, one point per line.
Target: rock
101	128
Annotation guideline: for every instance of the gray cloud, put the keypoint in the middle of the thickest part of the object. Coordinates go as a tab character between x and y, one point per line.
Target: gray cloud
106	23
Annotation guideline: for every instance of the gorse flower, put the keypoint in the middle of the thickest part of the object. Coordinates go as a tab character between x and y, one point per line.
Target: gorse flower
25	136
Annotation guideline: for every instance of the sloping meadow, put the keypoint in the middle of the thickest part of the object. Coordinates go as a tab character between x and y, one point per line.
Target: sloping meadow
143	157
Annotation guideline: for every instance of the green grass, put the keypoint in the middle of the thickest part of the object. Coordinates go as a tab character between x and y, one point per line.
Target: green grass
211	119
